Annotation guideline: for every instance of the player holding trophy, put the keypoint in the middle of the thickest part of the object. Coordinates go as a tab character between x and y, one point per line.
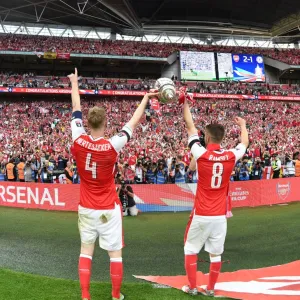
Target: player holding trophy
100	210
208	225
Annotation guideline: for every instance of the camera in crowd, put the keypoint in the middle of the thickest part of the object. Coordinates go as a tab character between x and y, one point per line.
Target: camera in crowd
123	195
123	185
127	200
202	138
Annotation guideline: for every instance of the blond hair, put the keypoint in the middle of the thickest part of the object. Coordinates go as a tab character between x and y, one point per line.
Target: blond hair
96	117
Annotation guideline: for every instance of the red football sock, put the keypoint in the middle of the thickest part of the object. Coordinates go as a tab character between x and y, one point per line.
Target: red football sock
214	271
84	270
116	275
191	269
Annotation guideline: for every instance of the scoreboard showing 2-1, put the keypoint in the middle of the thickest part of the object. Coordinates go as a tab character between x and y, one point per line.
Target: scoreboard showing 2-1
248	68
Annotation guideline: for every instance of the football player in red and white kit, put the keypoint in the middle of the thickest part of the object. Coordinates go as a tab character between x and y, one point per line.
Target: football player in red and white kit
207	225
100	210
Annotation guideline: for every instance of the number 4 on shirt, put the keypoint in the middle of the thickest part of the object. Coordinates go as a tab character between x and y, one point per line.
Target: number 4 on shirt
91	167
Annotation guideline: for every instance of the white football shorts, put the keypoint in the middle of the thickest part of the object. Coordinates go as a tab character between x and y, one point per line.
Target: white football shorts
208	231
105	224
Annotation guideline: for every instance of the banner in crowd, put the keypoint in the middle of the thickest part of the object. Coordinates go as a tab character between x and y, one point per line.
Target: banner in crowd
50	55
53	55
141	93
63	55
166	197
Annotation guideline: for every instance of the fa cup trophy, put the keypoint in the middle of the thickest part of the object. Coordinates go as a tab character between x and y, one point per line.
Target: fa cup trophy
166	89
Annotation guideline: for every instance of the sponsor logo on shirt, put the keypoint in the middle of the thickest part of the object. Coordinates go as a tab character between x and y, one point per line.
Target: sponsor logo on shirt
78	123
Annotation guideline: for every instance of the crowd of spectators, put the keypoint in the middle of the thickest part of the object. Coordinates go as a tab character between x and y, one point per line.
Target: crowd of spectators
31	80
232	87
131	48
38	133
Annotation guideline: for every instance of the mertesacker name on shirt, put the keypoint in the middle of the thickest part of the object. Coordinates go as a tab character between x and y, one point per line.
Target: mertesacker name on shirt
94	147
218	158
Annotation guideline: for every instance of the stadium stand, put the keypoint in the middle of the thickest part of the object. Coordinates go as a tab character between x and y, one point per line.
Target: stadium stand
12	42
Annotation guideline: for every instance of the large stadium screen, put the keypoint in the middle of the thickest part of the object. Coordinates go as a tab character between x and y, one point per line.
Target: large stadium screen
197	65
248	68
225	66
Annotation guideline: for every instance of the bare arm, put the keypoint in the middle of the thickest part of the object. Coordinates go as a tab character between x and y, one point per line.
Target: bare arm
134	121
192	166
191	129
244	133
75	91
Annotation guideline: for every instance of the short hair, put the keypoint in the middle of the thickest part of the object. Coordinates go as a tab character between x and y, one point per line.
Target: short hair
96	117
216	132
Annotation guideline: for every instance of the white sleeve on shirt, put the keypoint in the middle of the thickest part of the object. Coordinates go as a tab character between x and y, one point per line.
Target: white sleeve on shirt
239	151
196	148
77	126
122	138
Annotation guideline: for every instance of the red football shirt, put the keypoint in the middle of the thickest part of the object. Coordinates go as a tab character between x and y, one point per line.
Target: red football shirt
132	160
95	160
214	167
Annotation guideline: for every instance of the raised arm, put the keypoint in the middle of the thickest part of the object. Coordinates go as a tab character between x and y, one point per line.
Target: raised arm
134	121
76	123
75	91
192	166
119	141
244	133
191	129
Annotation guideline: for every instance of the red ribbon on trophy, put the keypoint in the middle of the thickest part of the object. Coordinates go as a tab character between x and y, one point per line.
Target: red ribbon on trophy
184	96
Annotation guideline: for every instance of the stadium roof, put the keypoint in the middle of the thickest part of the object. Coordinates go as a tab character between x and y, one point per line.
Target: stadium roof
255	17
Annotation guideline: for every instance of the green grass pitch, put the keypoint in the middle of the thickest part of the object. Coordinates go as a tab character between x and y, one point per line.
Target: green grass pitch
198	75
39	251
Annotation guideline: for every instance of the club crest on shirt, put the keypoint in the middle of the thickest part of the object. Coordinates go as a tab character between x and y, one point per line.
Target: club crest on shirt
283	190
78	123
121	134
